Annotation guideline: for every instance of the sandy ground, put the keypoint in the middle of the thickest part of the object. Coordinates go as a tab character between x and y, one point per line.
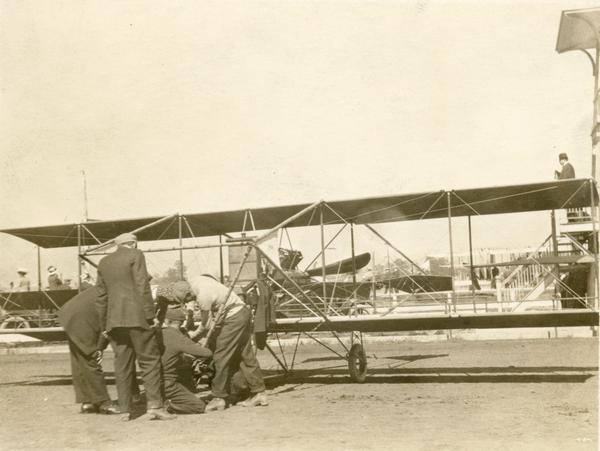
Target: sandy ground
527	394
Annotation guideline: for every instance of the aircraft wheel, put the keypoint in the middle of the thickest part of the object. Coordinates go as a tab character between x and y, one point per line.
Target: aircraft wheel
357	363
14	322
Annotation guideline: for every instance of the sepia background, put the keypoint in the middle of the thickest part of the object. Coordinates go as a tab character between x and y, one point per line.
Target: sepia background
185	106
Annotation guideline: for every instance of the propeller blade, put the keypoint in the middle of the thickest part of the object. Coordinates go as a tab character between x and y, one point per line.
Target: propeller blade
342	266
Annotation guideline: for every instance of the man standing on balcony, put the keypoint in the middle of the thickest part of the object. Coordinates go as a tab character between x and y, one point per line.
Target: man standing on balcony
567	171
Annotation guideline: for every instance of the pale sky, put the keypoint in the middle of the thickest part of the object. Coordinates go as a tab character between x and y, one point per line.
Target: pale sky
186	106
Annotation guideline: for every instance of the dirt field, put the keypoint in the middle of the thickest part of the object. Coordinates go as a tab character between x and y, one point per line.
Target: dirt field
530	394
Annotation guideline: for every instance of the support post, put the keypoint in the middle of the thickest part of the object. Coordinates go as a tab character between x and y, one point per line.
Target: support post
373	284
555	253
472	272
499	283
78	257
39	269
221	275
449	197
593	215
323	273
353	258
596	122
180	246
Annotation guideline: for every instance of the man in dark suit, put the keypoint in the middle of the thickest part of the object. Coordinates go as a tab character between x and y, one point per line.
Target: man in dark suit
126	312
81	322
567	171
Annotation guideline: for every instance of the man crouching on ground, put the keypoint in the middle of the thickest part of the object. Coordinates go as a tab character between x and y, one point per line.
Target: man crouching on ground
233	356
180	398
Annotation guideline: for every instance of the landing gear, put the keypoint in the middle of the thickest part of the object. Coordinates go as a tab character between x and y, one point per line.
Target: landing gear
357	363
15	322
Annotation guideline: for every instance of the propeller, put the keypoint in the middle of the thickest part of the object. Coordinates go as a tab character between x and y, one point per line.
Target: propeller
342	266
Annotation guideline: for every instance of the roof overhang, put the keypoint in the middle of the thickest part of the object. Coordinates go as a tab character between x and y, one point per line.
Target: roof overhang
579	30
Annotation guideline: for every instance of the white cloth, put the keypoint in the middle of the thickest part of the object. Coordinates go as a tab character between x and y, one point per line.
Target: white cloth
210	295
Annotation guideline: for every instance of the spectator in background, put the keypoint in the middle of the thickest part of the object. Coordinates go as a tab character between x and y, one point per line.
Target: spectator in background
567	171
54	279
86	281
23	283
475	280
495	273
86	275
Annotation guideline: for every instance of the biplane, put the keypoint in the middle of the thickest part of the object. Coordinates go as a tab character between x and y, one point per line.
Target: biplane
330	299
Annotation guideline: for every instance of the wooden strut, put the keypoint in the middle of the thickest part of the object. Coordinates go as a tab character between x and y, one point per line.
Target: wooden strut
323	271
386	241
179	231
289	220
219	317
139	229
472	270
451	249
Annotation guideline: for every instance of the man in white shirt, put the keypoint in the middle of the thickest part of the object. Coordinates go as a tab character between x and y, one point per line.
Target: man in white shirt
233	353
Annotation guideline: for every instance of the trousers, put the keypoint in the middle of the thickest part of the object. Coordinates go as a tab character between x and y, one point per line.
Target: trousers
88	379
234	354
130	344
181	399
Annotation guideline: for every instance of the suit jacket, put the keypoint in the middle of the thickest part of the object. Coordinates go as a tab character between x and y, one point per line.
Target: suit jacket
124	296
567	172
81	322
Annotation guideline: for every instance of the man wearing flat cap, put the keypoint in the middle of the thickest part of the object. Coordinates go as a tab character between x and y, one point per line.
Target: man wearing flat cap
171	296
126	312
567	171
178	374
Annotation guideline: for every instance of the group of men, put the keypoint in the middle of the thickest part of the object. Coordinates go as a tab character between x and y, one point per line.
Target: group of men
121	310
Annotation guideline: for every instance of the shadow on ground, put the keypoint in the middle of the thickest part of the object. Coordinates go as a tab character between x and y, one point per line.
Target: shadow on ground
437	375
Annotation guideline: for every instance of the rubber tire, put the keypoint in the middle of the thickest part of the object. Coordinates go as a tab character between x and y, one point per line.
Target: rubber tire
357	363
22	323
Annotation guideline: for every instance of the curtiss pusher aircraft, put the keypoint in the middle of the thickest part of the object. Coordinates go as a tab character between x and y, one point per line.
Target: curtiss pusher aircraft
321	300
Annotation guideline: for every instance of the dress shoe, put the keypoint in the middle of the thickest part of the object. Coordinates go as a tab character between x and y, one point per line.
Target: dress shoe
88	407
216	404
160	414
259	399
108	408
125	416
169	406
